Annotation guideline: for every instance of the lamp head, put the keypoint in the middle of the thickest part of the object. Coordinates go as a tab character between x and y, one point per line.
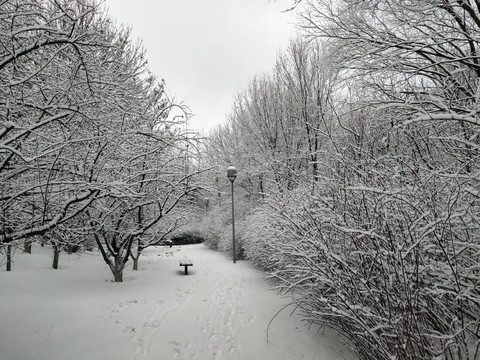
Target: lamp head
231	173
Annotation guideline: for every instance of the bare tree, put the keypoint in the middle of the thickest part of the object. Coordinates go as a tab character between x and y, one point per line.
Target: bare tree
45	93
83	126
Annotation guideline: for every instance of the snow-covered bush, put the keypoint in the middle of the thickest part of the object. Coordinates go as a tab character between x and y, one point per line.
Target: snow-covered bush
394	271
216	228
365	147
211	225
225	243
265	231
257	236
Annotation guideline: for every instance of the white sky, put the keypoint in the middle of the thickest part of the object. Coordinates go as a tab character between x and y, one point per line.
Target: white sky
207	50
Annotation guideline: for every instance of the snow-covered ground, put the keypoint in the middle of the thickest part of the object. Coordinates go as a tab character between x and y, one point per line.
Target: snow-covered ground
220	310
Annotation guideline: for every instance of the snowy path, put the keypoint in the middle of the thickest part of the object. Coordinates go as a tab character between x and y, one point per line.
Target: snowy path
220	310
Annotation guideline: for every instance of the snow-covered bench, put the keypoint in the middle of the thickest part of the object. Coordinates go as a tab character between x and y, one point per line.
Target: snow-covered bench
186	263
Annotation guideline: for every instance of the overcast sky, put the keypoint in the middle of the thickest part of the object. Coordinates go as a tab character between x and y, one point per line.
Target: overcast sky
207	50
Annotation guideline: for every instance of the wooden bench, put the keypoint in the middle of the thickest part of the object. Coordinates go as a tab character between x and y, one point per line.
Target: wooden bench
186	263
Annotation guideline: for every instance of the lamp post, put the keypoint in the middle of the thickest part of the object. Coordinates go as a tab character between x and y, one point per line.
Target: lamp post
207	200
232	175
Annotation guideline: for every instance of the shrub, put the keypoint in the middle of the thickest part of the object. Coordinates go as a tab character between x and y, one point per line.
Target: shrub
393	275
186	238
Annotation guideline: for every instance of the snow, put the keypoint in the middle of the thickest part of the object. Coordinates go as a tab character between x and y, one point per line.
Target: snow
185	261
220	310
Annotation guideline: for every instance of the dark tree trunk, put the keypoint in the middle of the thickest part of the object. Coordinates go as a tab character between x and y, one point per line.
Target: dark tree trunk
27	246
117	269
118	263
56	256
136	258
9	257
261	188
118	276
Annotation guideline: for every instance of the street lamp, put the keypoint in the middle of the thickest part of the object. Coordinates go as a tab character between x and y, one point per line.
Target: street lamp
207	200
232	175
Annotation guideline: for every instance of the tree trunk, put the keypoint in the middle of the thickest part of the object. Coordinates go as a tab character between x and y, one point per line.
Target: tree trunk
56	256
136	258
117	269
9	257
27	246
117	275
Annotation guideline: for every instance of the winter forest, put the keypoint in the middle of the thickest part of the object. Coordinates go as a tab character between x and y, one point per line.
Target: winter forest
358	158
